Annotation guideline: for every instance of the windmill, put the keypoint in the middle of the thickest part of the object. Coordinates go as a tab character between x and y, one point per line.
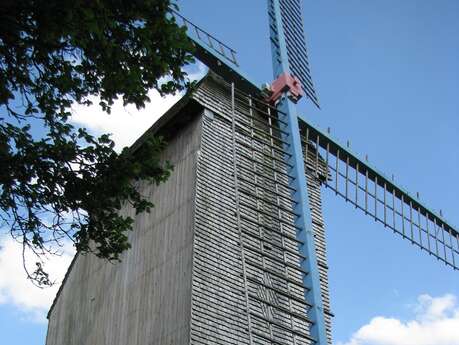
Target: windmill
235	252
353	179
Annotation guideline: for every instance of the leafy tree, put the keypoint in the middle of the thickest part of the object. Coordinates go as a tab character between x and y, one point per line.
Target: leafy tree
57	181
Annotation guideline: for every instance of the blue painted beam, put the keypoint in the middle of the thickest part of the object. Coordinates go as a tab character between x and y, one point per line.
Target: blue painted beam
287	109
304	222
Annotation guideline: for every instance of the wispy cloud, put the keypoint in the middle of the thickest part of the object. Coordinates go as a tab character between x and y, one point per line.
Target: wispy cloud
32	302
126	123
435	321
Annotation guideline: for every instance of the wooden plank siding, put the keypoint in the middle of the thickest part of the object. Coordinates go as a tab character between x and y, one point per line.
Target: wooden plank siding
201	271
146	298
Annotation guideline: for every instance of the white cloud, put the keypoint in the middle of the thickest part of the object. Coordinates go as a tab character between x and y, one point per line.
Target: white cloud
126	123
435	322
16	290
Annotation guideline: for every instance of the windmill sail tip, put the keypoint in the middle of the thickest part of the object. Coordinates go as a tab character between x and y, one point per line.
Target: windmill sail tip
295	42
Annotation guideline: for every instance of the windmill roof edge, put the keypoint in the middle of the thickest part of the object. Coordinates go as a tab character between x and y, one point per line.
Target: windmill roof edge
164	121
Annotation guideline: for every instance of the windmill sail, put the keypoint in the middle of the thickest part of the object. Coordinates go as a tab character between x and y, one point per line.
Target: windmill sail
218	56
289	32
207	41
379	197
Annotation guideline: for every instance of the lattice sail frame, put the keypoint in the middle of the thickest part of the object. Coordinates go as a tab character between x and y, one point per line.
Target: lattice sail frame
288	43
360	184
206	40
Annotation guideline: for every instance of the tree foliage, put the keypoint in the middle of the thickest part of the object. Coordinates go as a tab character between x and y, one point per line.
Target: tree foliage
57	181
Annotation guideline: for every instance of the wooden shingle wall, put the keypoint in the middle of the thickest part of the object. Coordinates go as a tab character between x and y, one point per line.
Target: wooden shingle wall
202	270
247	280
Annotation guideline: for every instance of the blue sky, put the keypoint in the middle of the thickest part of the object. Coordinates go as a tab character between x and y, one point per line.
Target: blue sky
387	76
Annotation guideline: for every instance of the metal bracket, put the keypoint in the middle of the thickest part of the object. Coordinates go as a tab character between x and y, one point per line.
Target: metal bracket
285	83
